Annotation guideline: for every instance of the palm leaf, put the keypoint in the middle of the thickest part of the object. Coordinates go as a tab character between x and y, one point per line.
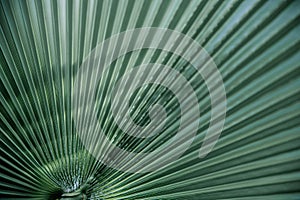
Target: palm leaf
254	44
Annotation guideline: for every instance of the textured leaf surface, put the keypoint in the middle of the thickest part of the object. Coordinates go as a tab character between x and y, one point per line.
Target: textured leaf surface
255	45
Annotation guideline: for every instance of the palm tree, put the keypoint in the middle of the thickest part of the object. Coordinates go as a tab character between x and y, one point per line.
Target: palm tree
49	146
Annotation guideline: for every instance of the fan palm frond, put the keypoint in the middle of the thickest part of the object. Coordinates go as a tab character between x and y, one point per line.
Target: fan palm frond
44	152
